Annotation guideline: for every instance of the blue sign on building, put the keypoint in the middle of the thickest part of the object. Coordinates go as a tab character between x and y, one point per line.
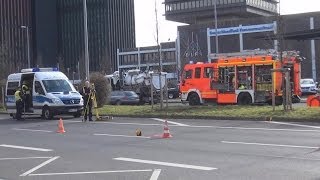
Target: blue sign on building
242	29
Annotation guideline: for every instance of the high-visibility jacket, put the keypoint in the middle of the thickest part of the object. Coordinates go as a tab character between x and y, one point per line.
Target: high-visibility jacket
18	95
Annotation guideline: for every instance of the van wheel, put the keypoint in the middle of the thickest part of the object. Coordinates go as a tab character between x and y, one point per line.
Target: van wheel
46	113
244	99
194	99
171	96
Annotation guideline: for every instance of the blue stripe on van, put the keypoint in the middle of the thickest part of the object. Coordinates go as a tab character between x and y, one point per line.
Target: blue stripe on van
37	99
41	99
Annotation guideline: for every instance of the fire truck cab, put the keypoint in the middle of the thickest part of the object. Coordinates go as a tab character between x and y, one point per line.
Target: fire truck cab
240	78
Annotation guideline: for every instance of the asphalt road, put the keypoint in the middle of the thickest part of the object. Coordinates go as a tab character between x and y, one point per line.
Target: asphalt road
199	149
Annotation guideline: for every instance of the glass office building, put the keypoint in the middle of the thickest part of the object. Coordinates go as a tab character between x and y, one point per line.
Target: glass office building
14	15
111	25
56	33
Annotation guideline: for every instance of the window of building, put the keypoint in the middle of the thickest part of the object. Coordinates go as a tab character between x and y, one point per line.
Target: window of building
193	4
189	5
205	3
178	6
182	5
174	7
197	4
201	3
197	73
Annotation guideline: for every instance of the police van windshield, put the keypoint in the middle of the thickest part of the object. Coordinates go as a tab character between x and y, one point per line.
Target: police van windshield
59	85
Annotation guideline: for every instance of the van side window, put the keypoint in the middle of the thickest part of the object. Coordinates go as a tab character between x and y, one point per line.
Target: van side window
208	72
197	73
38	88
12	87
188	74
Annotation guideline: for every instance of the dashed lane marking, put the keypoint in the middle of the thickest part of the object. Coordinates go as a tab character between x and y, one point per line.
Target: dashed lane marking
155	175
31	130
171	122
24	158
91	172
39	166
166	164
293	124
116	135
25	148
274	145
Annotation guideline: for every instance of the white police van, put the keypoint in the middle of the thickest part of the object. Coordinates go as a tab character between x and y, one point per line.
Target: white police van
51	93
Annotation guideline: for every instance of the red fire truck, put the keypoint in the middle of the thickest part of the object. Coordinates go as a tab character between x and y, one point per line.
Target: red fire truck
240	78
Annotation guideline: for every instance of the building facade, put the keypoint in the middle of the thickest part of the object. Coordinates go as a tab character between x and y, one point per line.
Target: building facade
15	16
194	40
56	33
203	11
147	58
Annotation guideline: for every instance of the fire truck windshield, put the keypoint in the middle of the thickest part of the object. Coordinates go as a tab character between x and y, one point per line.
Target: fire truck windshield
187	74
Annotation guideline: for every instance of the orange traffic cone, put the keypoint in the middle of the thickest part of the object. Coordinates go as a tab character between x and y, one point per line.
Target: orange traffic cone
166	132
60	127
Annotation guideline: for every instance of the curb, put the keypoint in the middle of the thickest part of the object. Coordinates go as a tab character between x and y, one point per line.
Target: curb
262	118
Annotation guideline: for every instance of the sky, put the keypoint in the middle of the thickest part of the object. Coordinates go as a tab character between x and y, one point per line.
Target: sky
146	26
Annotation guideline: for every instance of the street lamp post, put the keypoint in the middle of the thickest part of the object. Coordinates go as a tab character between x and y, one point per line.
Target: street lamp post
86	53
28	44
216	26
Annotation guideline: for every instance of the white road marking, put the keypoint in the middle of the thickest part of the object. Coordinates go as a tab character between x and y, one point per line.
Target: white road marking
166	164
116	135
117	123
39	166
31	130
171	122
26	148
275	145
266	129
293	124
92	172
216	127
155	175
23	158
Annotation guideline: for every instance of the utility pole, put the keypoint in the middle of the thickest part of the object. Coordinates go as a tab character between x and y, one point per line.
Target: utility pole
280	46
86	52
216	26
159	55
28	44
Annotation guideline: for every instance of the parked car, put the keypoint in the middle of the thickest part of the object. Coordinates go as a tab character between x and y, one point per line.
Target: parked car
308	86
124	97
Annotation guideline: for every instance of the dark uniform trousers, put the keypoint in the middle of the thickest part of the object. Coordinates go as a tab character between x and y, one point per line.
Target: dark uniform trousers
19	108
87	105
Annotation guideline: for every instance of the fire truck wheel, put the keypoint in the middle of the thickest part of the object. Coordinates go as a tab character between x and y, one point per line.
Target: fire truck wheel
194	99
244	99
